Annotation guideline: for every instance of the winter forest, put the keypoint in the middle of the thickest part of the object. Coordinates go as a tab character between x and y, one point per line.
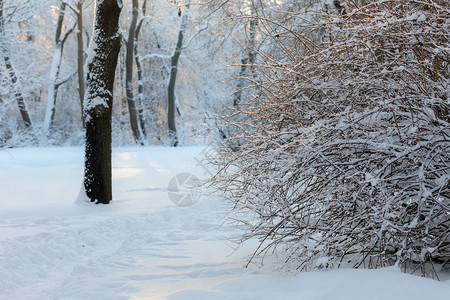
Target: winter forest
225	149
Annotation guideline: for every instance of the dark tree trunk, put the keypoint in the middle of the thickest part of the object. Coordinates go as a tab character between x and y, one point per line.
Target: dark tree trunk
132	107
101	65
12	74
171	97
60	21
19	97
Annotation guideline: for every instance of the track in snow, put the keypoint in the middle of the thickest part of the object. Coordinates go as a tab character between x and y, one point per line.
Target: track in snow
141	246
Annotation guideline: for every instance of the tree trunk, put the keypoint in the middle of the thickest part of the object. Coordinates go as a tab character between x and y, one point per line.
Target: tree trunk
247	66
248	59
101	65
140	73
12	74
132	107
171	97
80	54
55	68
240	85
52	88
60	21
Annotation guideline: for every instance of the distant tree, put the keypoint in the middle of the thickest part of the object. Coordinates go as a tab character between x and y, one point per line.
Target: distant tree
140	71
248	56
12	74
101	65
171	95
133	107
245	79
80	55
55	68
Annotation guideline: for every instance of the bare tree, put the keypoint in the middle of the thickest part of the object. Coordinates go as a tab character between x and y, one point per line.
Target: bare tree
101	65
140	71
131	45
246	74
55	68
171	95
80	56
12	74
249	55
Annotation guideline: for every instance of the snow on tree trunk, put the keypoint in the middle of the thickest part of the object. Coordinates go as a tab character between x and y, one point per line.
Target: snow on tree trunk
171	97
140	73
80	57
248	61
100	72
132	107
12	74
55	68
52	88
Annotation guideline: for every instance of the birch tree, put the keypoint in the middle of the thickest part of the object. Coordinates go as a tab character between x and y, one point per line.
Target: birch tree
55	68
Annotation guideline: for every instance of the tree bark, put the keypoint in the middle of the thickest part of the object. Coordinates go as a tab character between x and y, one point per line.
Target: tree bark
80	58
60	21
140	73
249	59
240	85
171	97
101	65
55	68
12	74
129	60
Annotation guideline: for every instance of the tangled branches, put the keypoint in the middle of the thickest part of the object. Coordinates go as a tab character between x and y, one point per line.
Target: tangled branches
345	153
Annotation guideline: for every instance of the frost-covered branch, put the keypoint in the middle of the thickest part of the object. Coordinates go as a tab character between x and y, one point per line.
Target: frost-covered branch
344	154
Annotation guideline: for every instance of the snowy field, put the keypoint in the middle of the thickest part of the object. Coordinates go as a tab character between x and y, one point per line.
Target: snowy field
142	246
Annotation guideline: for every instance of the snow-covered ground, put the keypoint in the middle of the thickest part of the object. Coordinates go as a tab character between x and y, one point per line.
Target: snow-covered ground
142	246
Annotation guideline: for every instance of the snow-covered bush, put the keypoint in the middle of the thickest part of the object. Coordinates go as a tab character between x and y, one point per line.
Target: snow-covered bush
346	159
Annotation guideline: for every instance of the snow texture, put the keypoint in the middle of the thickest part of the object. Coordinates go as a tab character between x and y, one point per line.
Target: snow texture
91	101
141	245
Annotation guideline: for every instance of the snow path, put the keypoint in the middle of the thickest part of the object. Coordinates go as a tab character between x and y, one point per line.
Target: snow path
141	246
106	255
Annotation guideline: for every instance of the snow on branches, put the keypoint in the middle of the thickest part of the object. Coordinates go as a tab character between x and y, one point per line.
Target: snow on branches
345	153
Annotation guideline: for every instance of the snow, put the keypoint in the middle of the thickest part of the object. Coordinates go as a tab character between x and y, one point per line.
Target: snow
142	246
416	17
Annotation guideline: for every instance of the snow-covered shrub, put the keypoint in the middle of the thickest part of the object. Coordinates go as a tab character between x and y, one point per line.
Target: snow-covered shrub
346	158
